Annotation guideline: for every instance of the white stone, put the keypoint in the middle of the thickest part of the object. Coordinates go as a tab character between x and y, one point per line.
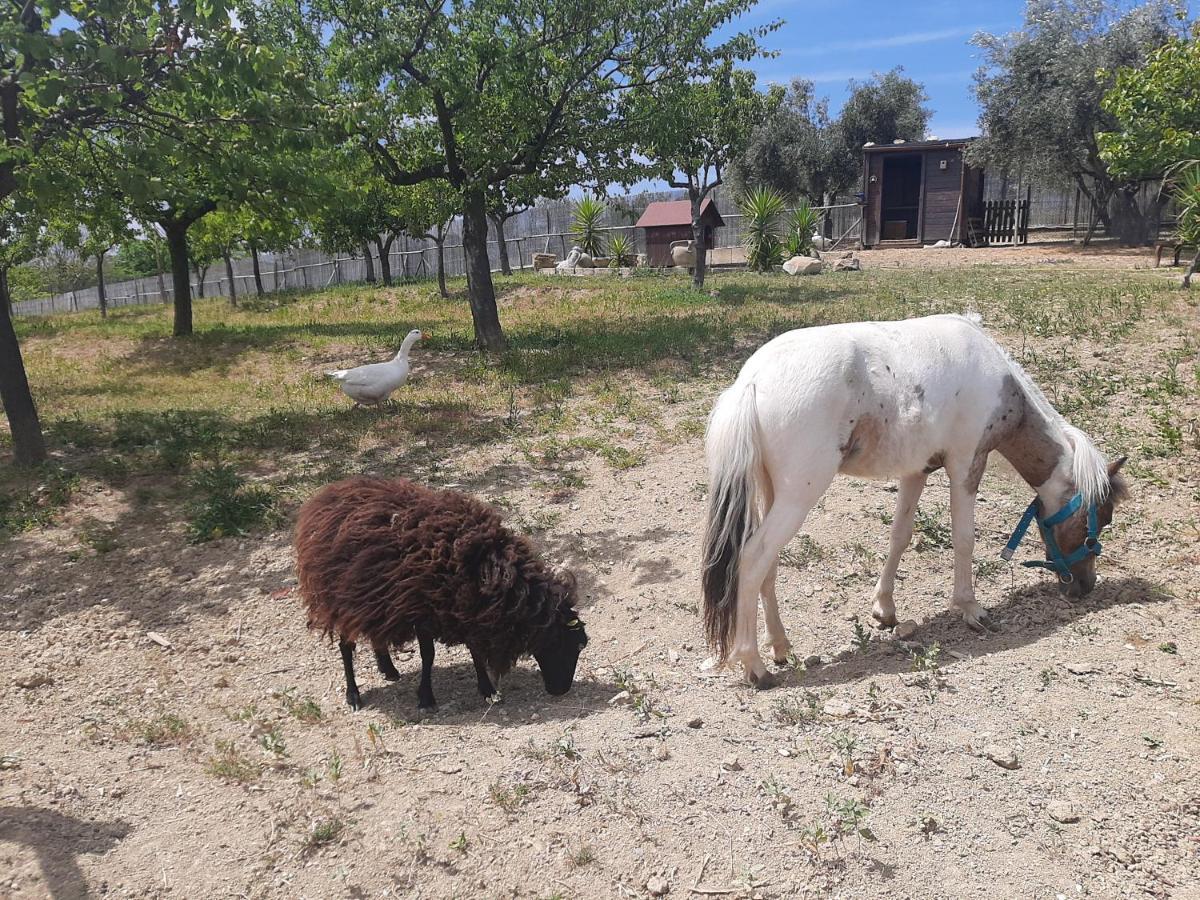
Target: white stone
802	265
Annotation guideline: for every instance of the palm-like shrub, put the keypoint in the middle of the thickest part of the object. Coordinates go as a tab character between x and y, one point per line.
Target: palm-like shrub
619	247
586	229
761	210
1187	195
801	223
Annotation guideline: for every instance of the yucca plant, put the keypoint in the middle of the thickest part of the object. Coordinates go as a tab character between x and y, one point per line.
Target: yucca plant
801	223
1187	195
761	209
619	247
586	229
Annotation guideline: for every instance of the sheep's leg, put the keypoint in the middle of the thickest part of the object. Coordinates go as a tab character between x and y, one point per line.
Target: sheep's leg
487	690
425	700
387	668
352	697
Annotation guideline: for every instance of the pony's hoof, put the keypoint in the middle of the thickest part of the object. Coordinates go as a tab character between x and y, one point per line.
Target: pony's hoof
980	621
764	682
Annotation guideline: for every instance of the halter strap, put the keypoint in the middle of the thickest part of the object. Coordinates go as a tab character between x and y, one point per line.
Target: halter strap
1058	561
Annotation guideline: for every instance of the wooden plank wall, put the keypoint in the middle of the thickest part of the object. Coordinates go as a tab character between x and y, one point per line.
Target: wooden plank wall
873	199
941	195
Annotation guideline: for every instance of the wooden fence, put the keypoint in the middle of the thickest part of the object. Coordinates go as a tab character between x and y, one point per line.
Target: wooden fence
1005	222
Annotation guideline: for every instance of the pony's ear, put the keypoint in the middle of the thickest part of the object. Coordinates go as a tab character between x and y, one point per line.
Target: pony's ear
1118	487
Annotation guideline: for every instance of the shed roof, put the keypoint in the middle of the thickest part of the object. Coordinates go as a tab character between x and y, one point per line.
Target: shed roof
678	212
950	144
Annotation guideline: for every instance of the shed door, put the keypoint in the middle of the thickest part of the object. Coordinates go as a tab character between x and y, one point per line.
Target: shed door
872	191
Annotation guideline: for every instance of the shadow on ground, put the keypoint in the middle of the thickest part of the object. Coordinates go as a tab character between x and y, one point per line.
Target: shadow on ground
58	840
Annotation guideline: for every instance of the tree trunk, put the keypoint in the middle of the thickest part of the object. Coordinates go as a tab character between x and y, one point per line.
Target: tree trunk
698	240
1134	226
258	285
505	266
177	246
440	240
480	290
385	264
1192	270
29	447
366	252
229	275
100	292
200	273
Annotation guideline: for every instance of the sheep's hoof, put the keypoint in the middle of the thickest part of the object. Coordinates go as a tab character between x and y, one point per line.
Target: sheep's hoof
427	710
493	699
354	700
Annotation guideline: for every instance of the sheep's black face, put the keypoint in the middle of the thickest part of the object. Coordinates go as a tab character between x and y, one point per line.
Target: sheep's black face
559	654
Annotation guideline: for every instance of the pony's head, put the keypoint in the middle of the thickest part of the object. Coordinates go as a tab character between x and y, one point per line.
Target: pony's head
1101	486
557	651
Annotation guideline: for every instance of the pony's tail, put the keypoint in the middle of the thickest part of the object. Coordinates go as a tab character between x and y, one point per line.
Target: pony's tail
733	488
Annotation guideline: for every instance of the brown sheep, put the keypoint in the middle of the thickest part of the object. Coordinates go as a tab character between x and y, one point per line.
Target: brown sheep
389	561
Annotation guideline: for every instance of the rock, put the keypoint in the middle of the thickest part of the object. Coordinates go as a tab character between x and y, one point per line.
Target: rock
803	265
697	722
544	260
837	707
622	699
847	265
31	680
673	656
1004	757
662	752
905	630
159	639
811	662
657	886
1062	811
449	768
731	764
1082	669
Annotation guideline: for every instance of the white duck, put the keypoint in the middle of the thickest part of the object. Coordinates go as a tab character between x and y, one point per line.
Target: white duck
374	383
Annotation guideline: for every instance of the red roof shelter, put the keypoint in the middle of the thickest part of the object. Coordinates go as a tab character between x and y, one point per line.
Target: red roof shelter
668	221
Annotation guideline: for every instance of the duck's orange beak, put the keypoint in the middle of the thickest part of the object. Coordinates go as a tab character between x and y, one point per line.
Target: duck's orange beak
424	335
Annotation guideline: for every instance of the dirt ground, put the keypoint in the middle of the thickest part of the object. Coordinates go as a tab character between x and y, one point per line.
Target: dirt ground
168	727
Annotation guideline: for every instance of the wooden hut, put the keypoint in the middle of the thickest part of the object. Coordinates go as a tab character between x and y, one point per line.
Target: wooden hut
919	193
668	221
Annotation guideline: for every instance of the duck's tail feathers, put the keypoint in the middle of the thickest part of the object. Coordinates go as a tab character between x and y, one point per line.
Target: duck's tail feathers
337	374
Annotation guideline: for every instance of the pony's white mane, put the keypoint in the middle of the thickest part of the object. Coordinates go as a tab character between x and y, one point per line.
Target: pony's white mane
1089	467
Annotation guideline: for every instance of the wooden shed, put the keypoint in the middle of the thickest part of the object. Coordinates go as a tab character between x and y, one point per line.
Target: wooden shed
919	193
668	221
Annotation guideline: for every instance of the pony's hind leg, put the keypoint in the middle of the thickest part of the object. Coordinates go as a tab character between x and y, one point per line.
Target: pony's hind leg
759	556
781	647
909	492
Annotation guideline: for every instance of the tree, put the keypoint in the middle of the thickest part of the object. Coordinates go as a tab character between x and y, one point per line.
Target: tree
425	211
21	237
797	150
887	107
1157	111
478	93
104	65
699	128
1042	99
92	228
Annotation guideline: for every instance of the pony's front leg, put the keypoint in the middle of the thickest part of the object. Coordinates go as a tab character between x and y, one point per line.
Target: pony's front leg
781	647
962	528
907	495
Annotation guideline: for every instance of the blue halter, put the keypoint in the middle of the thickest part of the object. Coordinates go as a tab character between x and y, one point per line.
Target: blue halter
1058	562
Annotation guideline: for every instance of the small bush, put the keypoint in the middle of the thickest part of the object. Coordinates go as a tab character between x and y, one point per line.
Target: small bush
225	504
38	505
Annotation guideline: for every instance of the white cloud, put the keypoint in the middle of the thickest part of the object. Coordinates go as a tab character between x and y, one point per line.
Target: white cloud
895	40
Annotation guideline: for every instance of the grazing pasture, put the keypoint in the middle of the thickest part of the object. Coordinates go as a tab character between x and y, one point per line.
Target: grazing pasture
169	728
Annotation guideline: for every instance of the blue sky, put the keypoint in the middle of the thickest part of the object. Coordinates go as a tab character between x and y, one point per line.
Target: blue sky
831	42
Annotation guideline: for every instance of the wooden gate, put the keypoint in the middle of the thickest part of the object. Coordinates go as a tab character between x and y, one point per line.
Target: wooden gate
1006	221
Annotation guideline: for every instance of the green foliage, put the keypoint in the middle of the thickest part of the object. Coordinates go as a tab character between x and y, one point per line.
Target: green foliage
1187	196
586	228
620	248
801	223
887	107
1157	110
37	503
225	504
762	208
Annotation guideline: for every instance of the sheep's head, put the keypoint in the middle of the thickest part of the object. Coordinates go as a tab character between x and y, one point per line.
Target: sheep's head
557	653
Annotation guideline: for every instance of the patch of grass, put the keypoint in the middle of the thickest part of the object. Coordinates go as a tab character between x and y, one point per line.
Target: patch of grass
99	536
1169	647
934	533
303	709
272	742
583	855
225	504
163	730
36	500
801	552
460	844
797	710
508	797
228	762
321	832
862	637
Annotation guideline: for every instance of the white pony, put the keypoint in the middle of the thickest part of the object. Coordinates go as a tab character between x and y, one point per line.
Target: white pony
884	400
